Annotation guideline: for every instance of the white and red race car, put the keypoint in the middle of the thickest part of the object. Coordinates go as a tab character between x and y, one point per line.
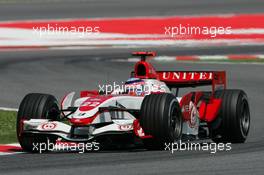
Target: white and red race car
146	109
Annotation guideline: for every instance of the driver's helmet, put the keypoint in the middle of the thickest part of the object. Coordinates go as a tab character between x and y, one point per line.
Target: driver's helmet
134	86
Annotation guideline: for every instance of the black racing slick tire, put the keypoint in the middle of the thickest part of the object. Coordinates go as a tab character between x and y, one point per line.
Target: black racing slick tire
160	117
36	106
233	121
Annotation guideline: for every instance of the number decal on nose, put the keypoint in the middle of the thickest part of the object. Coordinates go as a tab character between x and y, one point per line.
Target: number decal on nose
126	127
49	126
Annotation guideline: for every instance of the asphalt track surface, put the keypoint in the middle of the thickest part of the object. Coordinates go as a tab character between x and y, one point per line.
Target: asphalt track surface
59	71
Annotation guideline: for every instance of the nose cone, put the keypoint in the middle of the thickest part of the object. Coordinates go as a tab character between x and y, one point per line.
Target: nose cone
82	121
93	102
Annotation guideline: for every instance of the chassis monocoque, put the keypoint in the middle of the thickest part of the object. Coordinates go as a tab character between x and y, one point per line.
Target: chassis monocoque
153	115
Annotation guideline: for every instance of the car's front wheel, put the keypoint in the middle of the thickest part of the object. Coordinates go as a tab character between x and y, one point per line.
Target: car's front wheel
35	106
161	117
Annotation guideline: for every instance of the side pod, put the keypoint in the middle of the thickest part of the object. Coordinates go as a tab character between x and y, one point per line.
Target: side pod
208	111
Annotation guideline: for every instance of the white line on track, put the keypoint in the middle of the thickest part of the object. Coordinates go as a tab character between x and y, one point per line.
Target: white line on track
8	109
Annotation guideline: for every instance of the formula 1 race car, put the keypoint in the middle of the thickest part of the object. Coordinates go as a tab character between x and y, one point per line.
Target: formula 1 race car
146	110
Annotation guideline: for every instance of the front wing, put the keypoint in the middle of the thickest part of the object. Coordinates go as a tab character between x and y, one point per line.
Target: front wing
77	133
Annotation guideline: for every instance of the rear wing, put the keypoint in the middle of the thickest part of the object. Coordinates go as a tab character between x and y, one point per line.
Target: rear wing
144	55
177	79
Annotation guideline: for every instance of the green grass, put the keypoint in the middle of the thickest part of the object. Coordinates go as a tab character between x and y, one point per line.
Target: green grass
7	127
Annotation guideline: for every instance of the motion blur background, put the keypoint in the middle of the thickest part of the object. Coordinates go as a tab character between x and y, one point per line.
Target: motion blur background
58	65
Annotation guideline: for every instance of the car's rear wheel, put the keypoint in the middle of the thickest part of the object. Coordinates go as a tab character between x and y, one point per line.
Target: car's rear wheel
36	106
233	121
160	117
